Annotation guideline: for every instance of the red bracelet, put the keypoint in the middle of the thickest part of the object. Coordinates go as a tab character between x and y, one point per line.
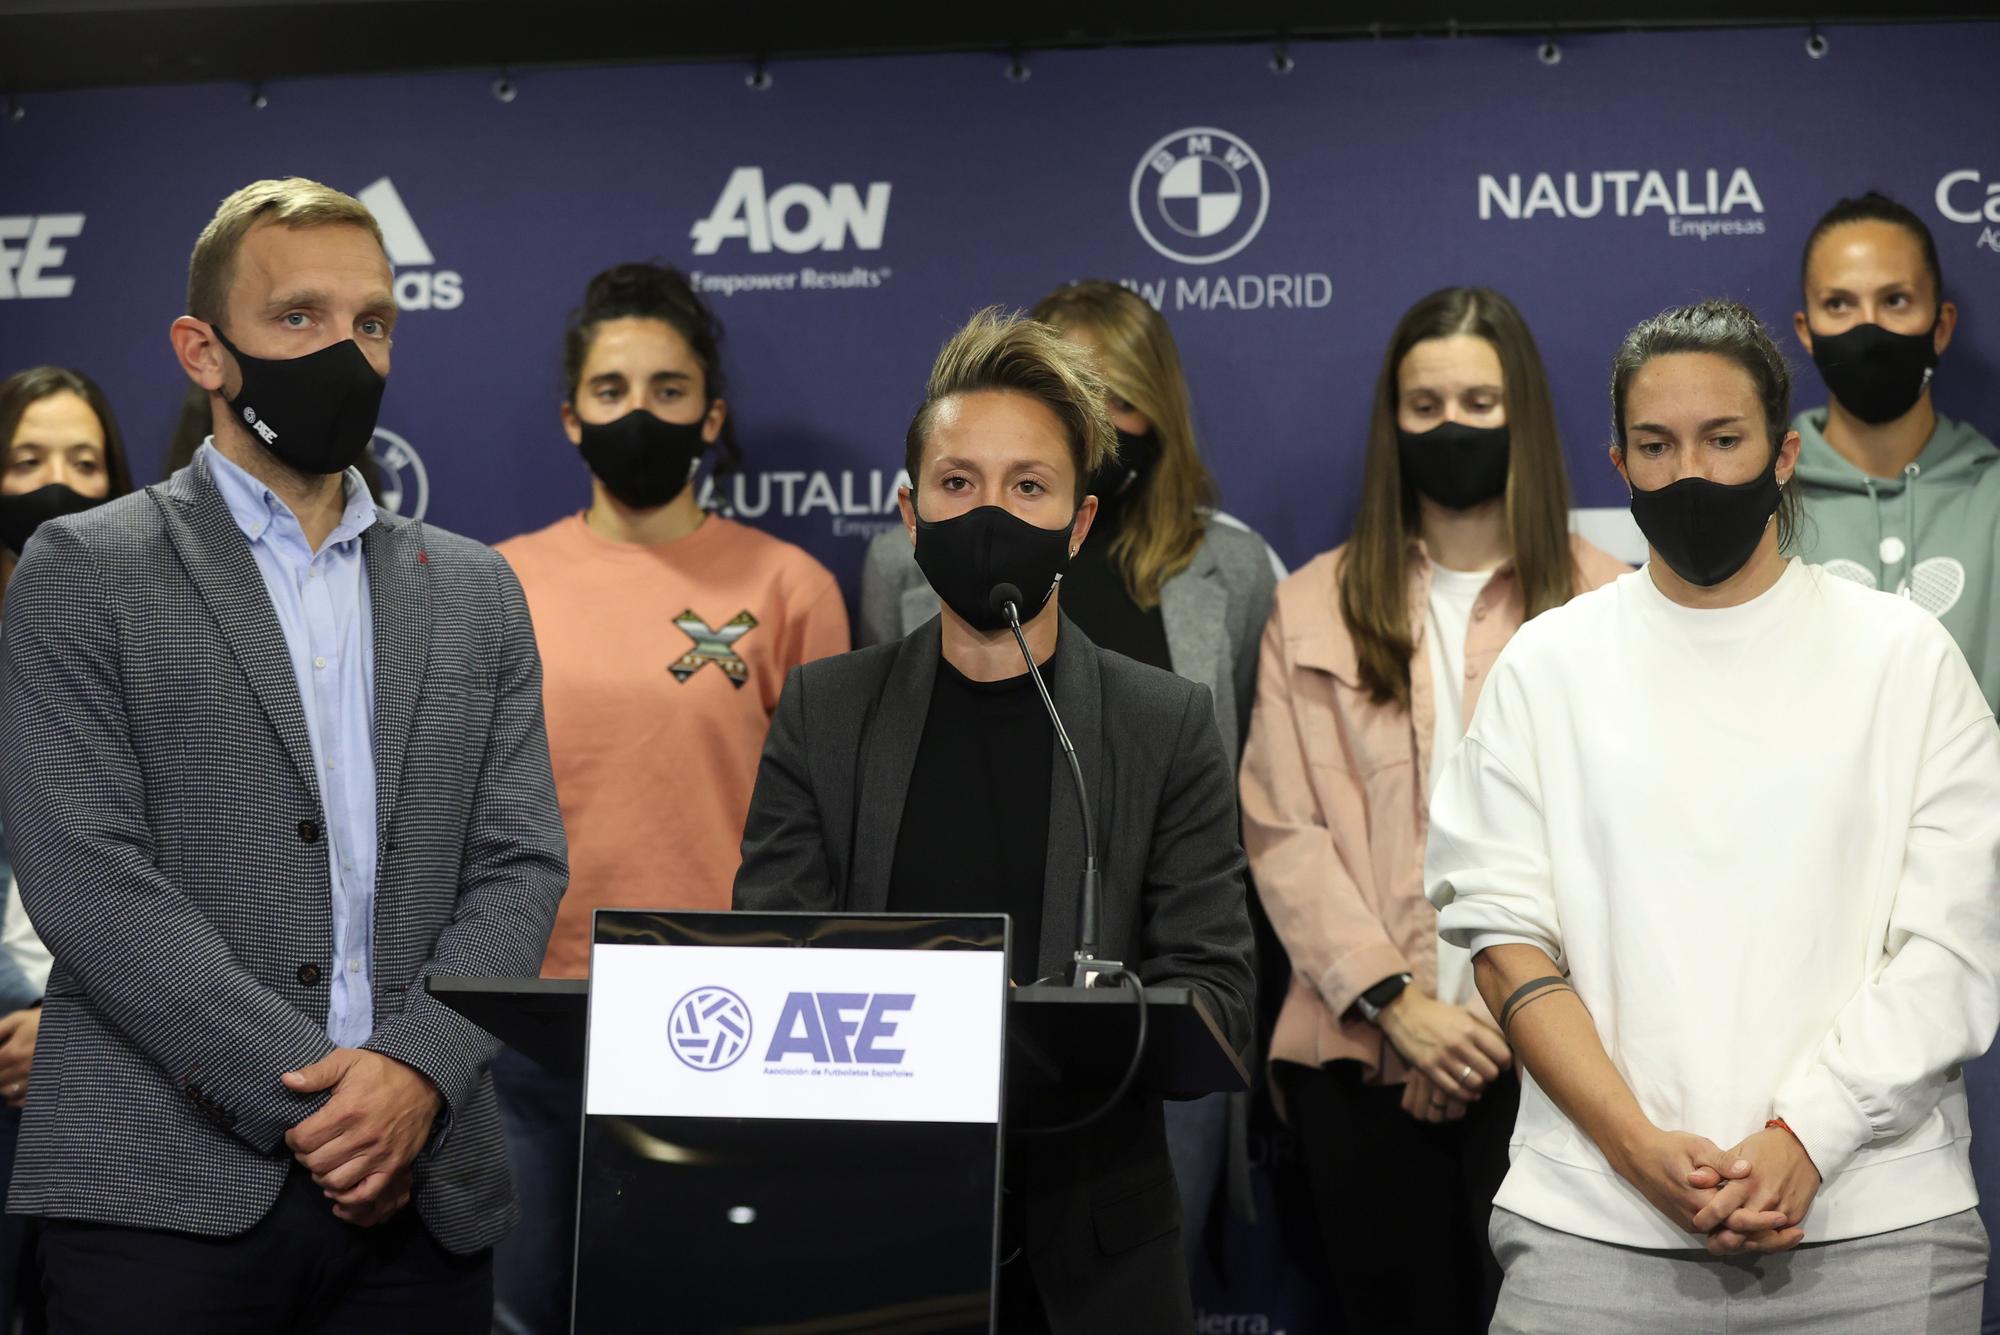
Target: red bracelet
1780	1124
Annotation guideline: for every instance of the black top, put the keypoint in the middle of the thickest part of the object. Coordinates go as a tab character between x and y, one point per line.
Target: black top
1095	597
975	831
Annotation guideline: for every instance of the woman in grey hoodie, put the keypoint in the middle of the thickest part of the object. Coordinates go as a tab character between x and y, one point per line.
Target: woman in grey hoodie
1900	497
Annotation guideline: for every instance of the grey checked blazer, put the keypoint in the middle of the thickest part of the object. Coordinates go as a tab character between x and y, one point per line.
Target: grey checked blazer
1213	612
167	829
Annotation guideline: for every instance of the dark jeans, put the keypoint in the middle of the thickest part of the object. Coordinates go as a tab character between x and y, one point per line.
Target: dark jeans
542	1115
297	1271
20	1284
1402	1204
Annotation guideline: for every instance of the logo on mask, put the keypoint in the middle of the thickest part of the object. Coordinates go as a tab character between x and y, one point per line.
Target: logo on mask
404	485
1200	195
709	1028
29	256
263	429
713	646
420	286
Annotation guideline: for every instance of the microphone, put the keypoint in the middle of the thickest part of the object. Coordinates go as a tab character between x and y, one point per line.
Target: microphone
1005	602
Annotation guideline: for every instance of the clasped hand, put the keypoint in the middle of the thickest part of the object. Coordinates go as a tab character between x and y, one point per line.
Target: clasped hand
1748	1199
360	1144
1455	1054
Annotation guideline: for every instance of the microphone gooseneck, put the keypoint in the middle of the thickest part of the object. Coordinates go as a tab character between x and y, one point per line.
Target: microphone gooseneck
1005	601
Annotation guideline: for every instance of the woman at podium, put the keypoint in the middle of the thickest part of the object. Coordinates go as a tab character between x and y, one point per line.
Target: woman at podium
924	775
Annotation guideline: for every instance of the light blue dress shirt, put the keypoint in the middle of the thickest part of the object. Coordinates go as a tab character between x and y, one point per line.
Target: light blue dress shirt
323	607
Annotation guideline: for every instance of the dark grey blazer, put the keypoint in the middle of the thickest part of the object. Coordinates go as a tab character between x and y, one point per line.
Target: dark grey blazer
166	826
1102	1211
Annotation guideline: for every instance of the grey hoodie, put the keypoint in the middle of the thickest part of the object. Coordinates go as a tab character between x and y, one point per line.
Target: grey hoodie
1932	535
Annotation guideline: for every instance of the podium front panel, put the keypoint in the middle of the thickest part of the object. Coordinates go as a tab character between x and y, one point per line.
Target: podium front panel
791	1123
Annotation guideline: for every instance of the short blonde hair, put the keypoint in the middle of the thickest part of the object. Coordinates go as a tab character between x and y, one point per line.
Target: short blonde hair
1008	354
290	202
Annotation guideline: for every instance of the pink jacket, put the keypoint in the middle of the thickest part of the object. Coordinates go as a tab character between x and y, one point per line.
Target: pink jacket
1334	817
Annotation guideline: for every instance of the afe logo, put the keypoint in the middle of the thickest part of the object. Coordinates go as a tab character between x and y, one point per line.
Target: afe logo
745	212
709	1028
29	271
839	1027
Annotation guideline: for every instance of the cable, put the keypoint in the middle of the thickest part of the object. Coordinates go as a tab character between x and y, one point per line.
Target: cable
1124	1085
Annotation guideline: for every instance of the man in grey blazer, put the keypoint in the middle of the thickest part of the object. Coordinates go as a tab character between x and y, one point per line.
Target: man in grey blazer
920	775
269	757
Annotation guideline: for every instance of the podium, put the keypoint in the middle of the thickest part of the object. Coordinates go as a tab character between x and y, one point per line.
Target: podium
785	1213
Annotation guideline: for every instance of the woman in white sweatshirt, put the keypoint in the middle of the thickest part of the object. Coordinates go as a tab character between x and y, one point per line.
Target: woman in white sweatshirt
1724	837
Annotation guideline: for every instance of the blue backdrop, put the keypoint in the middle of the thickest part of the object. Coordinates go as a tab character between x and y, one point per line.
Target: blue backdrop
845	219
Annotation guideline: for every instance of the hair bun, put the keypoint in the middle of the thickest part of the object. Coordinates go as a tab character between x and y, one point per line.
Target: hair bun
640	288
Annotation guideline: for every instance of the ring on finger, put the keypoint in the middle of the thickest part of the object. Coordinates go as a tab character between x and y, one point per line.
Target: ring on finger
1465	1076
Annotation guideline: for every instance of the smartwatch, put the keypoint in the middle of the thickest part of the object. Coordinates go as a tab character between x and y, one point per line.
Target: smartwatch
1372	1002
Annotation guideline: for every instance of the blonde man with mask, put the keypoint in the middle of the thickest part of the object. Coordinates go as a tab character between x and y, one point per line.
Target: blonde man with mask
269	758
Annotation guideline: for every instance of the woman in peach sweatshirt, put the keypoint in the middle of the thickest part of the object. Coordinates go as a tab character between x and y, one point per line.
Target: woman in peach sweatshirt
1392	1073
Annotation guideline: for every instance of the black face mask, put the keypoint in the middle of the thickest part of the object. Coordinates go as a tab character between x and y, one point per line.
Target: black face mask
1122	478
641	460
21	515
1878	376
1456	465
966	558
316	413
1706	530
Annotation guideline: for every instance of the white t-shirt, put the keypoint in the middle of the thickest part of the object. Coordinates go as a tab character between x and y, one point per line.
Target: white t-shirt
1453	593
17	938
1763	842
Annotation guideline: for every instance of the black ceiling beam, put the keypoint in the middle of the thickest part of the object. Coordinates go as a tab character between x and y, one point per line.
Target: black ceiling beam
49	46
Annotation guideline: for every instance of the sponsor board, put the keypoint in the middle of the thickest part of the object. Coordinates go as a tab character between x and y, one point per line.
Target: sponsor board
1700	202
31	259
1966	197
420	284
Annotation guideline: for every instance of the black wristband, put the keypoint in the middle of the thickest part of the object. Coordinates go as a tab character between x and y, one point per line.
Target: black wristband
1387	990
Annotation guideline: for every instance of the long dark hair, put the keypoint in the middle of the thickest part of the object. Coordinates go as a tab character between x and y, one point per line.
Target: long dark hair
1374	590
654	292
25	388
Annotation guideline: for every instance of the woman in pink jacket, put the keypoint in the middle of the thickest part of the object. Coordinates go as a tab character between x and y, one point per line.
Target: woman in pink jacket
1392	1073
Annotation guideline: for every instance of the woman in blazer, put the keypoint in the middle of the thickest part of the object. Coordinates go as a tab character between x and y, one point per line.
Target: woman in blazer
922	776
1394	1075
1164	577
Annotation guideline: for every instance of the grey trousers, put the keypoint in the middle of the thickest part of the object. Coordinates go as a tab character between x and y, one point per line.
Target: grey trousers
1925	1280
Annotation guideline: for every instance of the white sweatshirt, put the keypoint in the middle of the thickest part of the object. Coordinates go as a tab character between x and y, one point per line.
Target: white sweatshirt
1764	841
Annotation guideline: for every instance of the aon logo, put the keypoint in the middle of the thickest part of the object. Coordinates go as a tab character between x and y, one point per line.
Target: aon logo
794	218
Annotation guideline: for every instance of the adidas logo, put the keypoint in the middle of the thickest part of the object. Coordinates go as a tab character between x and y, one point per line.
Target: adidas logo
420	286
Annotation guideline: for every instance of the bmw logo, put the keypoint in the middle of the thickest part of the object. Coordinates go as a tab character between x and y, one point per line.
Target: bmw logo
709	1028
406	487
1200	195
